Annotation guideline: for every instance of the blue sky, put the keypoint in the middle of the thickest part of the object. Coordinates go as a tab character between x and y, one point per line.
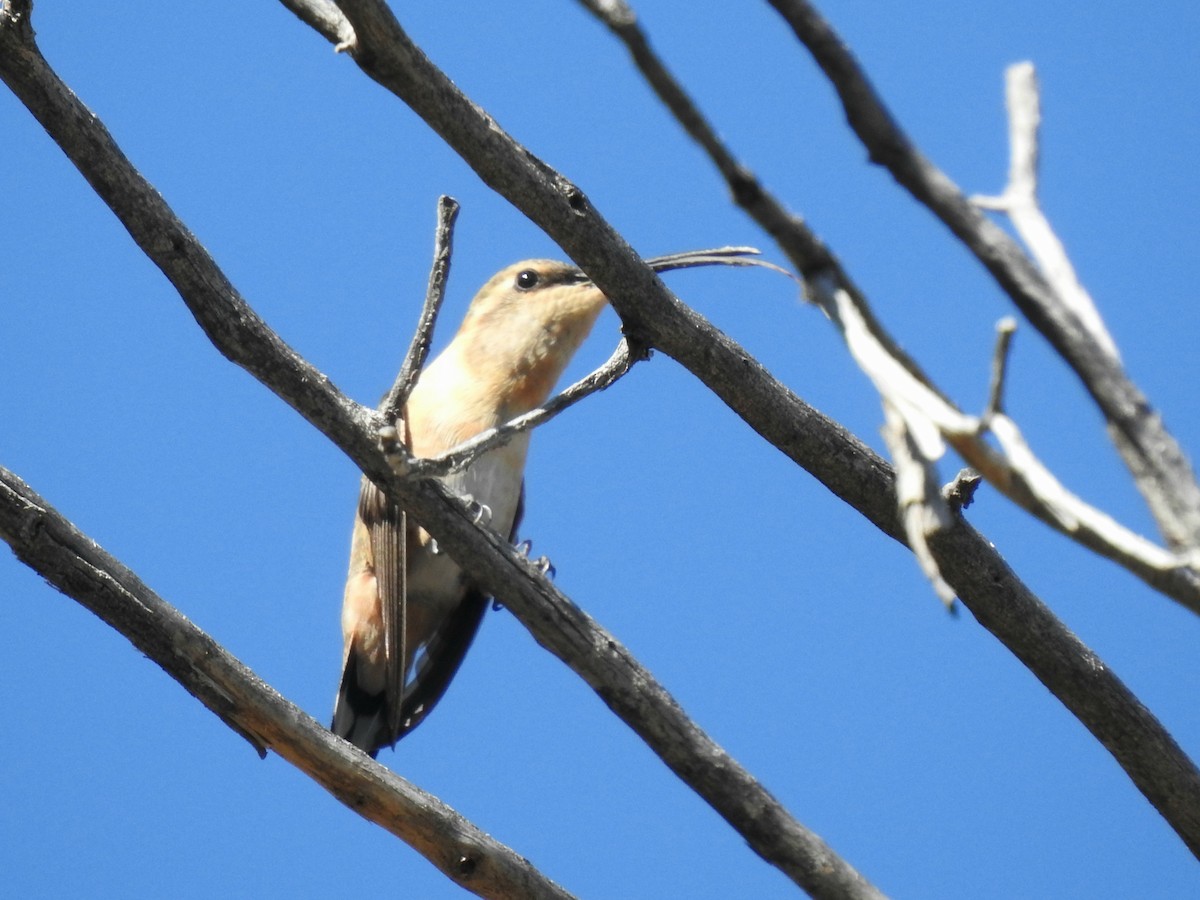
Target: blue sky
802	639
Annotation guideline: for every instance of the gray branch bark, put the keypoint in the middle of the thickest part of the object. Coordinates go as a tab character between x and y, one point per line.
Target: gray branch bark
81	569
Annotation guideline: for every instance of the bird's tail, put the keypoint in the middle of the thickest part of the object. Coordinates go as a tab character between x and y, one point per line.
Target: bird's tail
358	716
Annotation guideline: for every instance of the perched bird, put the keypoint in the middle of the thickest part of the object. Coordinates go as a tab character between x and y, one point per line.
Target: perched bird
518	335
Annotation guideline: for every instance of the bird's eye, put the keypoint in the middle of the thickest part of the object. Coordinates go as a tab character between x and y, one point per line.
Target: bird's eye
527	279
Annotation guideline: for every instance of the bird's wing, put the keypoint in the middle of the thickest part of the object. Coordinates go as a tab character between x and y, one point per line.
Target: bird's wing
443	653
387	526
439	660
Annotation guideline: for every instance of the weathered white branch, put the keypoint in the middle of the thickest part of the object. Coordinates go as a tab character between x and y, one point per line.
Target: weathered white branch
1160	468
922	505
920	421
1019	202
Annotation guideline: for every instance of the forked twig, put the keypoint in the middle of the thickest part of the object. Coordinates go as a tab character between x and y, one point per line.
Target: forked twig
392	405
1019	202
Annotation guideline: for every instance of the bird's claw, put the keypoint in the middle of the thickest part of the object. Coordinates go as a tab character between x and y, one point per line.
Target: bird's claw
481	513
542	563
394	452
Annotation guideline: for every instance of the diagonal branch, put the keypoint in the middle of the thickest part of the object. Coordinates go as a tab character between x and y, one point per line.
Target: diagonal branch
1020	203
77	566
982	580
1159	466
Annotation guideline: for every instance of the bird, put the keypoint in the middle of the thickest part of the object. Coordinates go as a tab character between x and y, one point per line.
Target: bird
516	339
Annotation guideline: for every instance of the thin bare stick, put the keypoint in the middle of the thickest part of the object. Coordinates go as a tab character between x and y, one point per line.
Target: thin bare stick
1005	329
468	451
435	293
1019	202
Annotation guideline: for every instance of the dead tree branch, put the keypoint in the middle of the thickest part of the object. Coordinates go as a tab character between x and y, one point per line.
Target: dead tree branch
1157	462
44	540
1040	641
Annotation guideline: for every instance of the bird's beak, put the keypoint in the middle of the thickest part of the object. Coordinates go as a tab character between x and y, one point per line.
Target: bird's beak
719	256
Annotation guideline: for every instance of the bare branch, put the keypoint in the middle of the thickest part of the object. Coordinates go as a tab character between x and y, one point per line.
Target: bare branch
468	451
1005	329
1020	203
1159	465
923	508
929	419
418	350
44	540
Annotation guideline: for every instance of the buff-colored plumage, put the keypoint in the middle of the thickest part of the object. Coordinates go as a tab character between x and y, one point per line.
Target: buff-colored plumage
409	613
518	335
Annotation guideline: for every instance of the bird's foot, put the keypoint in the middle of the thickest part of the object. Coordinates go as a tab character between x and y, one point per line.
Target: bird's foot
395	454
542	563
480	513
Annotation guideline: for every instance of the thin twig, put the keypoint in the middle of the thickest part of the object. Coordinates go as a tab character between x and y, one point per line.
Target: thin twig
1019	202
392	405
468	451
1005	329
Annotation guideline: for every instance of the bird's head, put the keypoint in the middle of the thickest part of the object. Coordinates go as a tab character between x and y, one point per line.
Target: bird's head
526	323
